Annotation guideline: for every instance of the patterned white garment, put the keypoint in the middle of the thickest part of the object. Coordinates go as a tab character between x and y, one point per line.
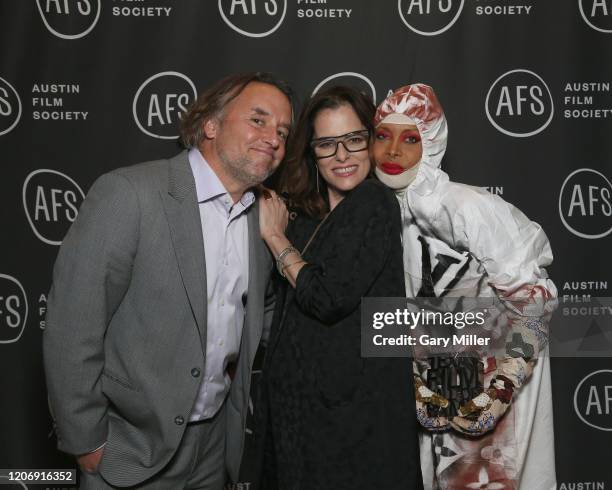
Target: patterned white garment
462	241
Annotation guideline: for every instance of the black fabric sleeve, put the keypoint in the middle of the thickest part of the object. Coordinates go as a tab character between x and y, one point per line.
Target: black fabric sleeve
333	282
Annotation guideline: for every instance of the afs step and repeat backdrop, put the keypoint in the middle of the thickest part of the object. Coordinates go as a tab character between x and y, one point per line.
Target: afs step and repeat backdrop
90	85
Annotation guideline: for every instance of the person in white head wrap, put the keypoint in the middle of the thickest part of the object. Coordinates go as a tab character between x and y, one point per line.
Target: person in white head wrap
460	240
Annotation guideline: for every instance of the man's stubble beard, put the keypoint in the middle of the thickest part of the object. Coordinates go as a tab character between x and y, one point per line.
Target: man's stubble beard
238	169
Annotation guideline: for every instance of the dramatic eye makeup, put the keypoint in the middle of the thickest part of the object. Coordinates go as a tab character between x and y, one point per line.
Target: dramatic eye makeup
411	136
382	134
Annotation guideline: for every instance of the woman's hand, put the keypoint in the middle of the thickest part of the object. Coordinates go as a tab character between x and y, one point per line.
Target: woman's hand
273	215
273	219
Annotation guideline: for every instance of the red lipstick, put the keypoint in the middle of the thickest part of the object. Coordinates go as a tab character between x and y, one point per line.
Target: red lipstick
391	168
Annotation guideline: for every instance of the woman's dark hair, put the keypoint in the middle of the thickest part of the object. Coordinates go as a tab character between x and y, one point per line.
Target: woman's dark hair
213	101
297	177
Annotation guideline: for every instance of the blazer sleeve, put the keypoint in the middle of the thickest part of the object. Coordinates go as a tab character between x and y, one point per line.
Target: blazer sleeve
331	285
90	278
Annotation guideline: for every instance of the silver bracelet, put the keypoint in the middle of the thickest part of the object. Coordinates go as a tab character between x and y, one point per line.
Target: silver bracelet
279	260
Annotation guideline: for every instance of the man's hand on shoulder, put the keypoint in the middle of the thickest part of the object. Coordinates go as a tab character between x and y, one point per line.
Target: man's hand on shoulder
89	462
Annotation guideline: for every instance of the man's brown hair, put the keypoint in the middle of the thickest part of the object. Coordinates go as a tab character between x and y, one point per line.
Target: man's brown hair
213	101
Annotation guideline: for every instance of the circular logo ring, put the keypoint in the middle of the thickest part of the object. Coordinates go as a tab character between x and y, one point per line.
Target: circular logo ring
607	31
511	133
347	74
576	400
25	316
70	36
18	108
426	33
25	204
144	84
567	225
253	34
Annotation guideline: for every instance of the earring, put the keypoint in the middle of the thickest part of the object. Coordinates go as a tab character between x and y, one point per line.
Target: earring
317	177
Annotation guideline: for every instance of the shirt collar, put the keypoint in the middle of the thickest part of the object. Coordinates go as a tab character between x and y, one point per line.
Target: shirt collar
208	185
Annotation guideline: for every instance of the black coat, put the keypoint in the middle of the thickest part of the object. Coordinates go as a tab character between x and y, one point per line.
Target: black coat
336	420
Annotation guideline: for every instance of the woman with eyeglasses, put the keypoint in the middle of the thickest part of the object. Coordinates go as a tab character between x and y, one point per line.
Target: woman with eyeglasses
335	420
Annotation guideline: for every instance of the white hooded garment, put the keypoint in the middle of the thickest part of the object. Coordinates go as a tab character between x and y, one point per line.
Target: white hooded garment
468	242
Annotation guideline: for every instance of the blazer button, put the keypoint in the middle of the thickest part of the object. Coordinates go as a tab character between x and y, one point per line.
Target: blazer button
179	420
195	372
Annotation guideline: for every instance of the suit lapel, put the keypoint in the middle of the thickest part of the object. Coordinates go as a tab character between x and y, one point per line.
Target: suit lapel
257	284
183	214
259	265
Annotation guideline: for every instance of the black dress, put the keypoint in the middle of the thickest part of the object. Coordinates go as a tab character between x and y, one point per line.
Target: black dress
336	420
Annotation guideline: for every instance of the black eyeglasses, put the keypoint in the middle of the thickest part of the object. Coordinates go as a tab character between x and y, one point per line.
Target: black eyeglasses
352	142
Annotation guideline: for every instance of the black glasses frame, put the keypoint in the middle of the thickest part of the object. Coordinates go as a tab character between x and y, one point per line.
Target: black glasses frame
340	139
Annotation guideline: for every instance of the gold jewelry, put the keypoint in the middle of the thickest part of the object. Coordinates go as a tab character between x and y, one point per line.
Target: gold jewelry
301	261
314	233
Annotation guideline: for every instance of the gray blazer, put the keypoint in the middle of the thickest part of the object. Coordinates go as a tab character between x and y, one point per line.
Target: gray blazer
125	335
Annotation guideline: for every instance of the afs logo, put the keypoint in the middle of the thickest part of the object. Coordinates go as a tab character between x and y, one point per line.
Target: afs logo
160	101
429	17
593	400
519	103
585	203
13	309
253	18
10	107
69	19
51	201
597	14
350	78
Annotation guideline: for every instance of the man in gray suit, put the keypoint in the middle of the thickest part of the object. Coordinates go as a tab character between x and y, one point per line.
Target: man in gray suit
159	298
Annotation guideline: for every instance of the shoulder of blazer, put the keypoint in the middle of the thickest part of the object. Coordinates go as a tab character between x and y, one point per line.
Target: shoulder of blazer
171	175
